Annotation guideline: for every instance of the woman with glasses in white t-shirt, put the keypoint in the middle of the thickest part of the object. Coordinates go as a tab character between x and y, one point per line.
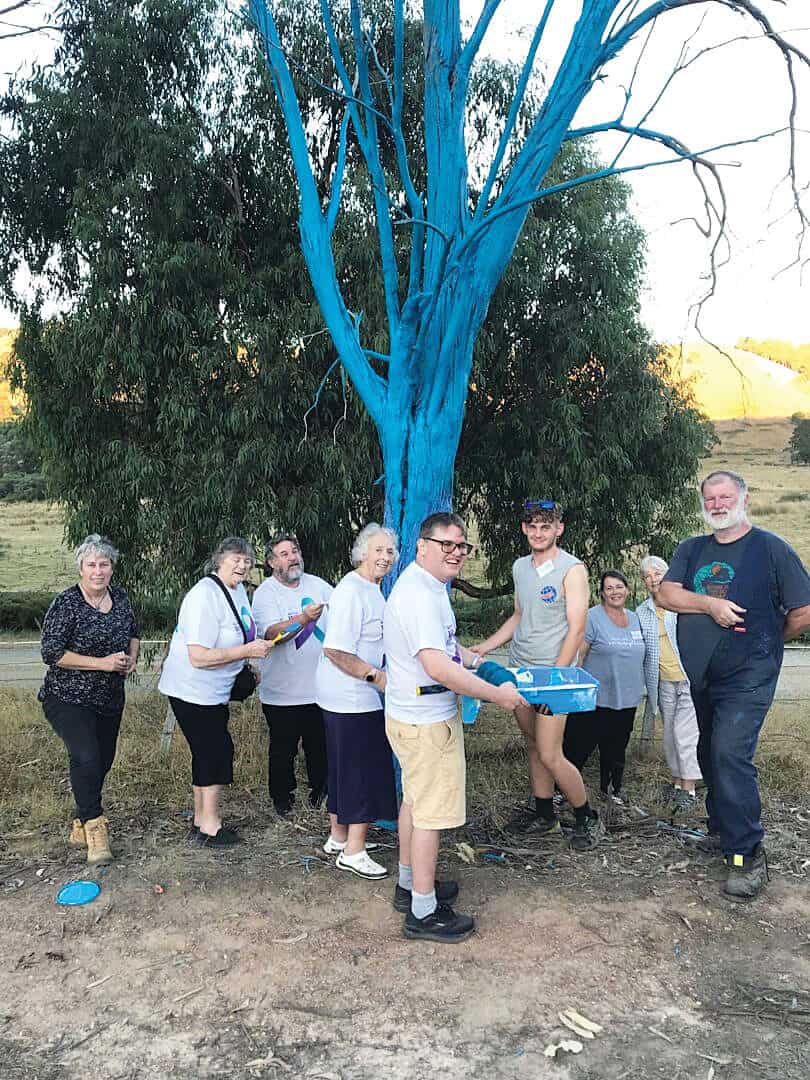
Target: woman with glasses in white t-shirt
349	685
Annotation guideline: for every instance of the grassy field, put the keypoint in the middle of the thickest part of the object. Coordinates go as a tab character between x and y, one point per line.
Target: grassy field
780	492
32	554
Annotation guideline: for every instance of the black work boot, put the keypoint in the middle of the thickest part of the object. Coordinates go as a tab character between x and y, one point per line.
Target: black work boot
747	875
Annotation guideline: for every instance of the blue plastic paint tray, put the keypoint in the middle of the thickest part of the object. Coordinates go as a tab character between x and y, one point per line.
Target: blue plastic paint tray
78	892
562	689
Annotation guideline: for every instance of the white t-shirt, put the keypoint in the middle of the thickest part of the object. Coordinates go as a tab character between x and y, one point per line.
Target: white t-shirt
288	672
355	625
418	616
205	619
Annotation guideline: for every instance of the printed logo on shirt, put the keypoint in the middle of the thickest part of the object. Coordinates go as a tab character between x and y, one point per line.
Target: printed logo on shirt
548	594
714	579
452	648
309	629
248	623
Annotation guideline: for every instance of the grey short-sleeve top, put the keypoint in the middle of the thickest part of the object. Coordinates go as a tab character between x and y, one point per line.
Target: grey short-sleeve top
616	658
540	595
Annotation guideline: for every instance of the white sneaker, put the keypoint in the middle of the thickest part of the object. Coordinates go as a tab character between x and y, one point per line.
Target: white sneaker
334	847
362	865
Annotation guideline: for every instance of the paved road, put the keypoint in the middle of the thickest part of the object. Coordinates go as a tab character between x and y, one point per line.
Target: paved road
21	666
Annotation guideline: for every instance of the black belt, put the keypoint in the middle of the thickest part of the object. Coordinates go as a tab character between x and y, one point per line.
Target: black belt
432	688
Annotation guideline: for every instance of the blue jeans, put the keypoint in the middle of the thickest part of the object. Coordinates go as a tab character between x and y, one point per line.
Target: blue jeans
731	708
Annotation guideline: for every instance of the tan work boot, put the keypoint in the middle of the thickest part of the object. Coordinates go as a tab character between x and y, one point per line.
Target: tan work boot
77	837
98	841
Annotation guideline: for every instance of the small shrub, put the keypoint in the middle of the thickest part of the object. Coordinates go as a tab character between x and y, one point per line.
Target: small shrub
794	496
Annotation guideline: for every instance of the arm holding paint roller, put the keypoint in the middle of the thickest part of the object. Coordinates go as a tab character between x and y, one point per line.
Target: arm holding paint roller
441	668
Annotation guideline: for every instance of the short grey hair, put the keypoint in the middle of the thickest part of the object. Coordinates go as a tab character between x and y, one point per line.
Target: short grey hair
95	544
653	562
231	545
360	545
725	474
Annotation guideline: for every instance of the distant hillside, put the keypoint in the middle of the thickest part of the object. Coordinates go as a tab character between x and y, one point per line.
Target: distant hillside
781	352
10	404
739	384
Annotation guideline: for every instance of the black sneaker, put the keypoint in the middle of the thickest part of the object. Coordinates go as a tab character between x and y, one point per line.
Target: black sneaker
445	892
542	827
747	875
521	821
283	810
587	833
223	838
441	925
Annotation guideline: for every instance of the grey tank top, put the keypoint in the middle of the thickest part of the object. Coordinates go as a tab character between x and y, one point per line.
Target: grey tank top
540	595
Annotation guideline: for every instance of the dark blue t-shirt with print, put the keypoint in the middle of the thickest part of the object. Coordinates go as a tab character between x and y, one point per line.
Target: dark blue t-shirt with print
717	568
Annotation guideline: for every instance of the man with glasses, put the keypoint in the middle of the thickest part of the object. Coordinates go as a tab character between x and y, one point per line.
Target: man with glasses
286	599
425	667
547	629
740	593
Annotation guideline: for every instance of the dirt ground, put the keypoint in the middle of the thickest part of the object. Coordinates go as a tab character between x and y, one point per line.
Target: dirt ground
268	962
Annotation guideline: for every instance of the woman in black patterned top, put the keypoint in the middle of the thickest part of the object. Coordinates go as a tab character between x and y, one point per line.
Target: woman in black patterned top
90	643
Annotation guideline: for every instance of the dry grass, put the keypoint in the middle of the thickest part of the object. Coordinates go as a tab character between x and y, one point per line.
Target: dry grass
32	553
146	784
779	490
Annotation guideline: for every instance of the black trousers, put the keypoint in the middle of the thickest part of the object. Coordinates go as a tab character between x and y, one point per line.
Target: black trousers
290	725
90	734
610	730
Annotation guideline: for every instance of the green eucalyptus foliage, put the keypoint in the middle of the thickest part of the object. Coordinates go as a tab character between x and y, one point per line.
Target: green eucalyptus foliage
146	189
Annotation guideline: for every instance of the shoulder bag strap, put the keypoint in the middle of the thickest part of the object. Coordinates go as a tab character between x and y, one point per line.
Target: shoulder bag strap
232	605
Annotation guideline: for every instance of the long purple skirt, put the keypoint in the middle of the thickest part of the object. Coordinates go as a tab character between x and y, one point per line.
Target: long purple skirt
361	770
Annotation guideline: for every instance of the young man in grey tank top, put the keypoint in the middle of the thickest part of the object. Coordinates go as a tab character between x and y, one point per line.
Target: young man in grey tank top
547	628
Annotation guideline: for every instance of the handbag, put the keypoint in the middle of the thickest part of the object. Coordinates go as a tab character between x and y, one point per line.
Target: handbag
245	682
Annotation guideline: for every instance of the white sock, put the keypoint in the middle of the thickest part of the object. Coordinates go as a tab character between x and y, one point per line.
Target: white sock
405	877
423	904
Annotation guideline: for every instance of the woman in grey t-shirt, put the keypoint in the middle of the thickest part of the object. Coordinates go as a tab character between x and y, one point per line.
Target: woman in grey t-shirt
613	652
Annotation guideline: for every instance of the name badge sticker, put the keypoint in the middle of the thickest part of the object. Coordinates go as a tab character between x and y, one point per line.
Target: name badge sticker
636	635
544	569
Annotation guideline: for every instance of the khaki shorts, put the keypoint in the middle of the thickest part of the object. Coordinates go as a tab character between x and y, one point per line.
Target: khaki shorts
434	771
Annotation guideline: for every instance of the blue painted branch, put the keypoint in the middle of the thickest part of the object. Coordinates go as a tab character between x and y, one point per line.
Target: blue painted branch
445	149
337	180
473	45
315	236
514	112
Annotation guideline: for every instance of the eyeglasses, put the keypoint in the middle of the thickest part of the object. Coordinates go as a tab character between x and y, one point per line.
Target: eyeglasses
449	546
541	504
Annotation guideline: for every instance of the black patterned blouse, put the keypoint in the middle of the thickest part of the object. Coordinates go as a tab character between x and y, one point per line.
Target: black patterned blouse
73	625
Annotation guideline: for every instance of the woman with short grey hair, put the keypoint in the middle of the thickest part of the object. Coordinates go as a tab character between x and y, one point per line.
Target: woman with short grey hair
668	688
90	642
214	637
349	684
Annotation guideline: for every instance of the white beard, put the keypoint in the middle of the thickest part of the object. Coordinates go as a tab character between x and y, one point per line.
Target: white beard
732	517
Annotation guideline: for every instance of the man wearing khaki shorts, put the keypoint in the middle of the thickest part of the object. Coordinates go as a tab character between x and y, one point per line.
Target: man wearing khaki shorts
425	667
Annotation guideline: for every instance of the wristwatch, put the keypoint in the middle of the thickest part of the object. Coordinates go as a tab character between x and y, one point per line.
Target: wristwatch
370	676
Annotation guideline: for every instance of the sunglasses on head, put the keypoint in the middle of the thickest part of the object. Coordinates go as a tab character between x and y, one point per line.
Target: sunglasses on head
541	504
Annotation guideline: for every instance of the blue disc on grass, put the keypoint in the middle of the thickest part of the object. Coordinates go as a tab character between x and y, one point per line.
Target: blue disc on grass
78	892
